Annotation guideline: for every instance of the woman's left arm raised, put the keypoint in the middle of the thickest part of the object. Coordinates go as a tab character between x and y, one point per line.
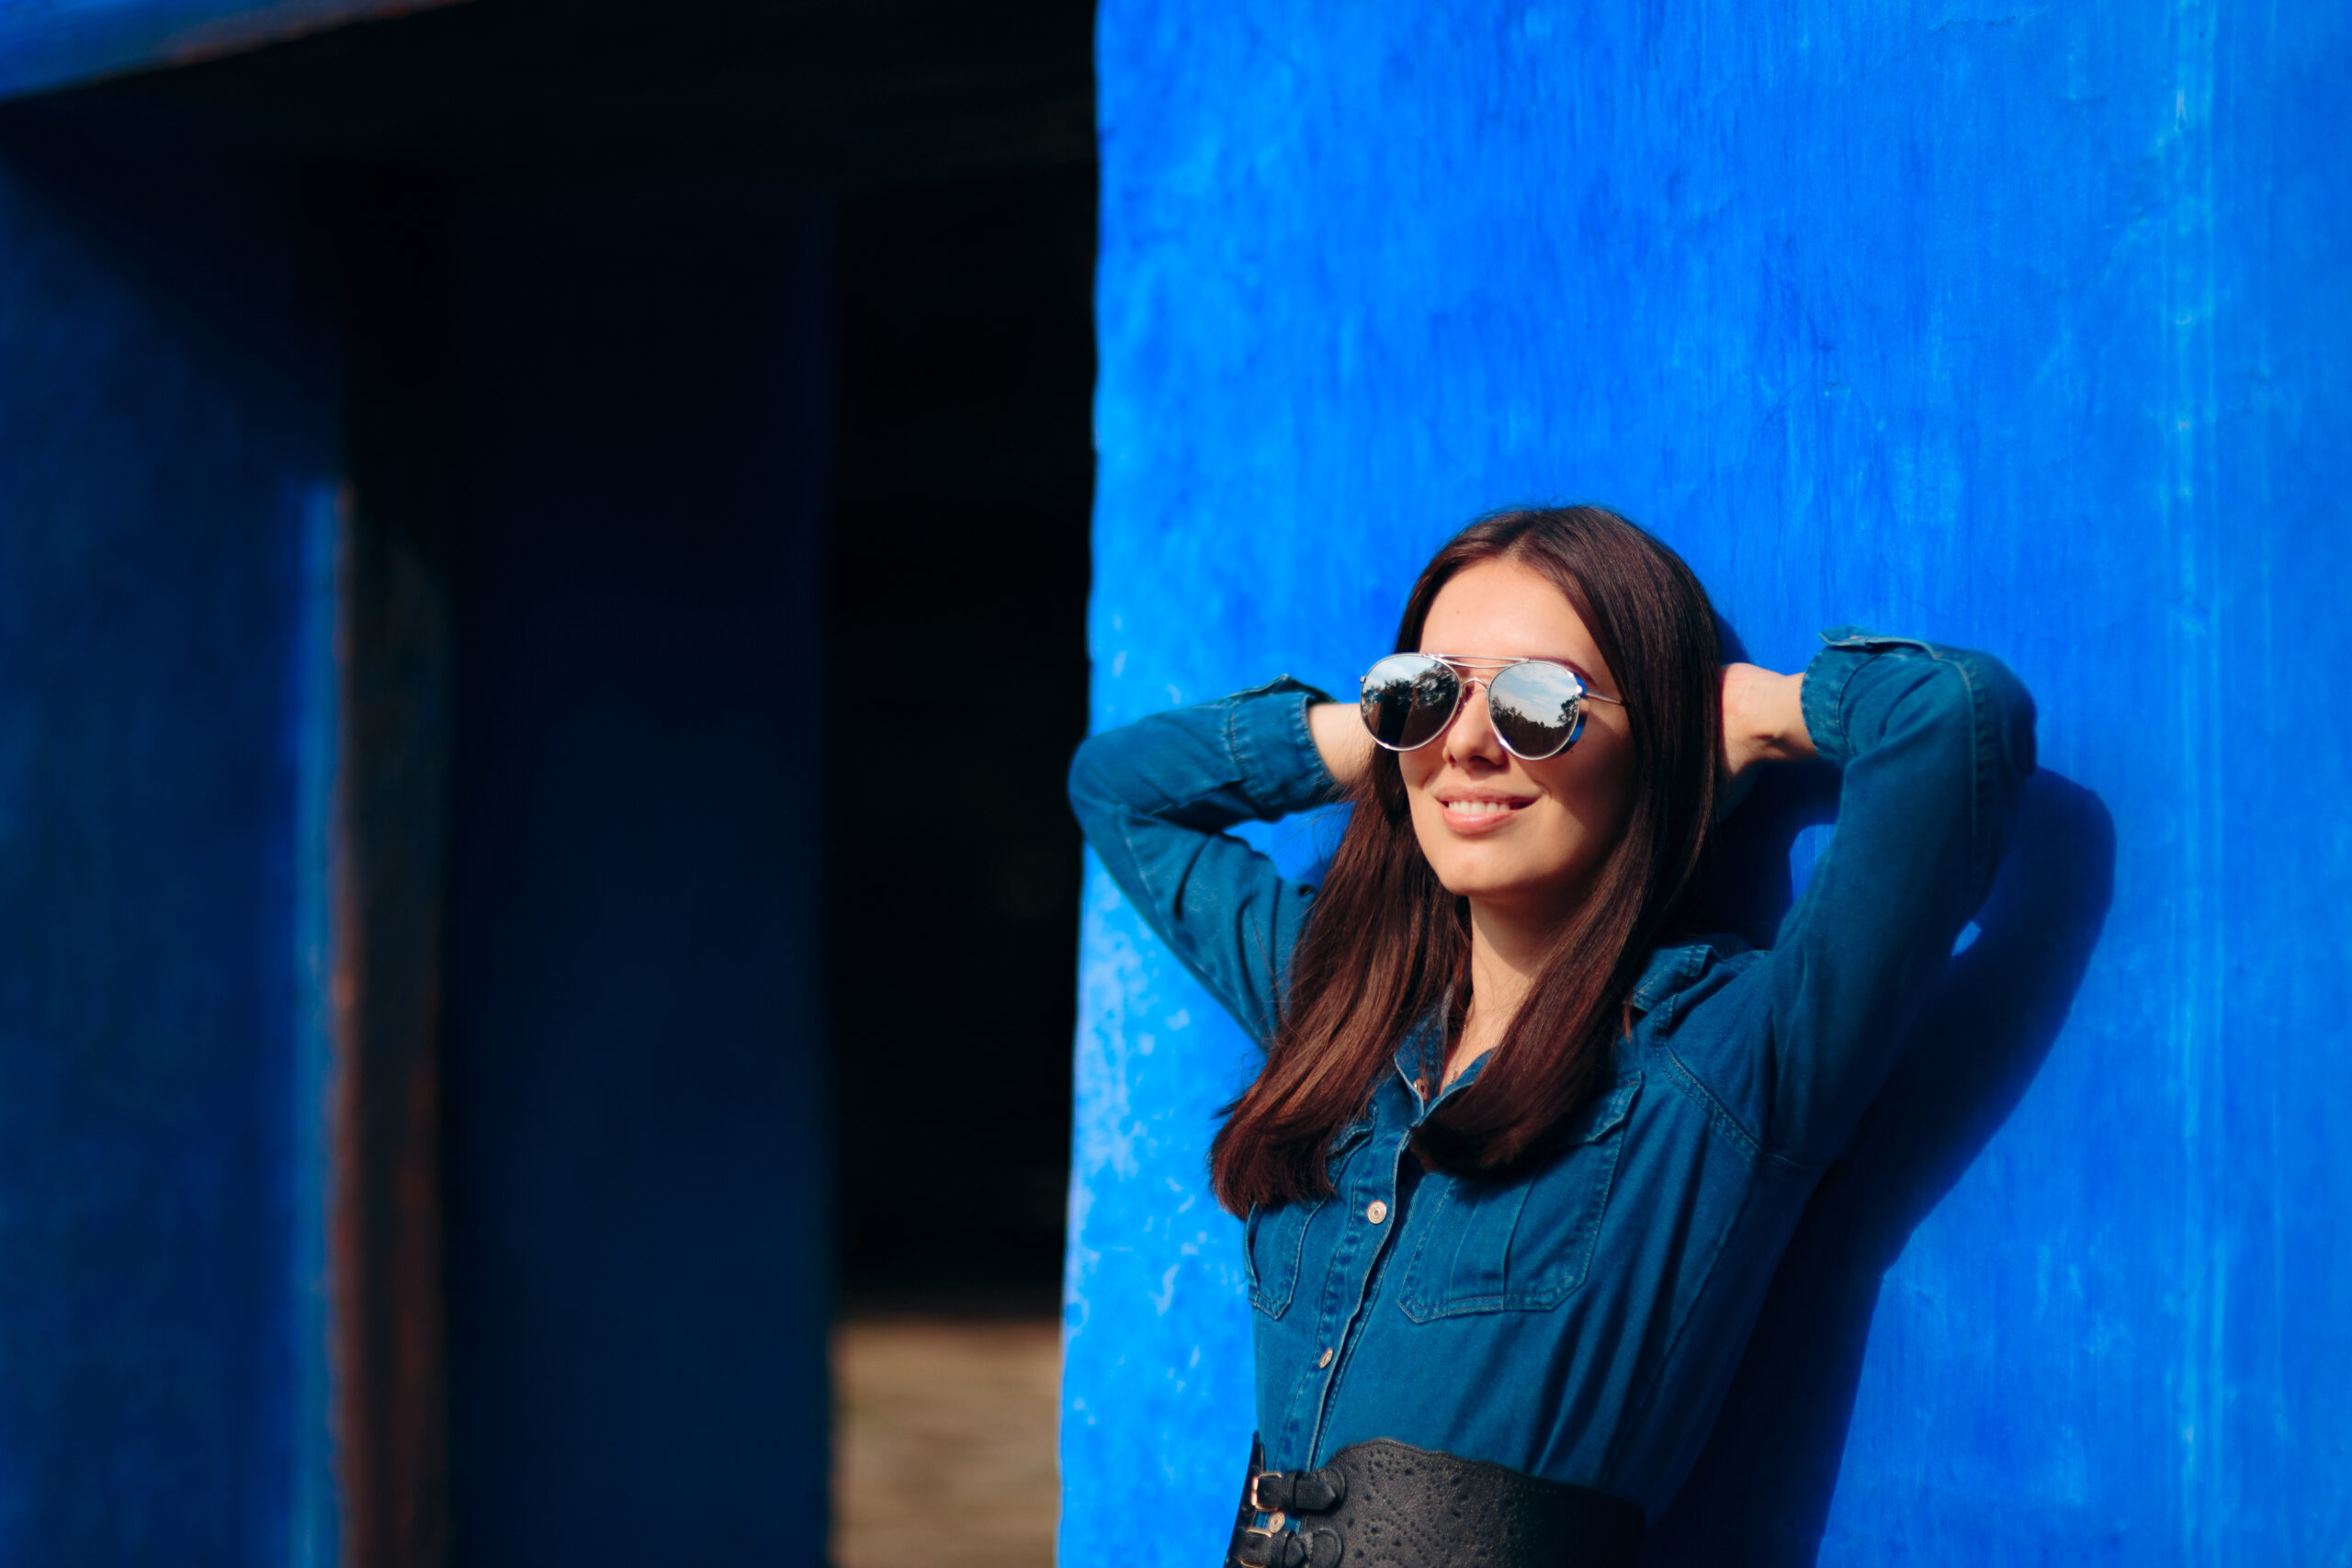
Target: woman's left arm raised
1934	745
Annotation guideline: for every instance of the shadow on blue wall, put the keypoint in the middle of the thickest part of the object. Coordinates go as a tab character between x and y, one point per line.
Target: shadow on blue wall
1760	1493
636	1159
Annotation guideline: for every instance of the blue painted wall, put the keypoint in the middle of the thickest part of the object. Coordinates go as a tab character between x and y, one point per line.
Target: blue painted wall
2026	330
167	528
201	421
637	1172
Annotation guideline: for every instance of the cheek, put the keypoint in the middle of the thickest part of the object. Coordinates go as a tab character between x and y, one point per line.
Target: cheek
1438	844
1596	791
1419	773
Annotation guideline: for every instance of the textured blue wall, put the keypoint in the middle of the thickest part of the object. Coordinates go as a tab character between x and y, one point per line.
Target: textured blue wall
2024	329
167	524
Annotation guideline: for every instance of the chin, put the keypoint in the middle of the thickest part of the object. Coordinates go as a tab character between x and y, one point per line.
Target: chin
1476	877
1504	874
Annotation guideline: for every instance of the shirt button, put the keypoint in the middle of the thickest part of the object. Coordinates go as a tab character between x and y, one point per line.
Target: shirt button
1376	1212
1324	1359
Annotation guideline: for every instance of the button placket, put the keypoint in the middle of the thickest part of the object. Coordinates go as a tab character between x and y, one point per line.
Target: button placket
1343	1276
1389	1143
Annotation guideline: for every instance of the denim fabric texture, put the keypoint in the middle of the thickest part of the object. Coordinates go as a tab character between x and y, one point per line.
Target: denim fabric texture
1580	1321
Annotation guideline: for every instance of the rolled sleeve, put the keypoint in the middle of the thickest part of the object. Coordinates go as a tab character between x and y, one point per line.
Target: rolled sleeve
1273	749
1154	798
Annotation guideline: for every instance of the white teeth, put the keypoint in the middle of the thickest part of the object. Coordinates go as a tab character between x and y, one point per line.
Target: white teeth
1478	808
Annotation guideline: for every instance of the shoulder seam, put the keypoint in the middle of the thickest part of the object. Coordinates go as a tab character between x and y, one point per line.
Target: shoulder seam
1719	1116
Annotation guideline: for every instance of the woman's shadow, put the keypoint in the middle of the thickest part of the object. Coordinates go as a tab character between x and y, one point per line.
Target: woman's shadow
1761	1491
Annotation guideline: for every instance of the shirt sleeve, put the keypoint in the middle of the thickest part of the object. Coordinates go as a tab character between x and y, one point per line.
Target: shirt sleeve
1154	798
1934	745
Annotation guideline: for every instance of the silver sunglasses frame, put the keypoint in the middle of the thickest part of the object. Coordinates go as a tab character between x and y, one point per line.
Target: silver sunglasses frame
1462	665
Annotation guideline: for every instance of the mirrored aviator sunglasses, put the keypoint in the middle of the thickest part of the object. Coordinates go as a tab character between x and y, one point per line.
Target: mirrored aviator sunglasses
1536	706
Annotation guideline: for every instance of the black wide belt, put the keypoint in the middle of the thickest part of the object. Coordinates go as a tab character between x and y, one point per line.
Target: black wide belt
1388	1505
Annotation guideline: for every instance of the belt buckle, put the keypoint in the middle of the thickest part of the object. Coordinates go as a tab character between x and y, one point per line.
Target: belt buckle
1262	1540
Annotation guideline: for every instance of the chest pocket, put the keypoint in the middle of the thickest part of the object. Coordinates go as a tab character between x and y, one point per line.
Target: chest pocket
1274	1239
1520	1246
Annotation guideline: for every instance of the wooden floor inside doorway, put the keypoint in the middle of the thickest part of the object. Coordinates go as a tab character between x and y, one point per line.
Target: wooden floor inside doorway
944	1441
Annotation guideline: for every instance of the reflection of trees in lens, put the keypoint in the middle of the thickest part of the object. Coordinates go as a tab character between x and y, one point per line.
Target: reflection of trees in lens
1433	694
1392	694
1534	706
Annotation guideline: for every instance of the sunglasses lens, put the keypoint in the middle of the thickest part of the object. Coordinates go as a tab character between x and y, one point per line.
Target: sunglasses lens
1407	697
1537	708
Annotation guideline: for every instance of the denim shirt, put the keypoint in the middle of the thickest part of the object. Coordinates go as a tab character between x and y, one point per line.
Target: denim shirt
1582	1320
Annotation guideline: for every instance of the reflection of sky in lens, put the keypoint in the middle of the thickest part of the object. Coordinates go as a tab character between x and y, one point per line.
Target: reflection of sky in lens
1534	705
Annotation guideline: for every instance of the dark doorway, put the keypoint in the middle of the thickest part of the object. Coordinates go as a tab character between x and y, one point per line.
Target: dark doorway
956	593
716	386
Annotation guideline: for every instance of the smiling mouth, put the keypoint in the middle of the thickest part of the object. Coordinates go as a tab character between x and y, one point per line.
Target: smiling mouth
1484	807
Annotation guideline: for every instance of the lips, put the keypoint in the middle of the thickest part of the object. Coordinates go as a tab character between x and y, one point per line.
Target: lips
1479	806
1481	811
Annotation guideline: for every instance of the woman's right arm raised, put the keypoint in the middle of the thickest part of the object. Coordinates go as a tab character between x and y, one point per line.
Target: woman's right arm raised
1154	798
1342	742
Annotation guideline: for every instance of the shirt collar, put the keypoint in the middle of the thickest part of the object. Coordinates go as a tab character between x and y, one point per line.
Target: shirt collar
1668	971
1421	1054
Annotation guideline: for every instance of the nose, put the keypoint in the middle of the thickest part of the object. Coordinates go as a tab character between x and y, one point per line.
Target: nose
1471	736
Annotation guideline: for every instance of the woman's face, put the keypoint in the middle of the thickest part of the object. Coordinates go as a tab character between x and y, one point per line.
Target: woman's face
1523	837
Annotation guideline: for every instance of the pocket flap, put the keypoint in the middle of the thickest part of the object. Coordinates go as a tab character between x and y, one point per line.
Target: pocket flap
1604	1113
1521	1244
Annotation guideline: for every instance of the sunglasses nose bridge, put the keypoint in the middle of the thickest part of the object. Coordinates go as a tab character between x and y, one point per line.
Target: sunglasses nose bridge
1487	734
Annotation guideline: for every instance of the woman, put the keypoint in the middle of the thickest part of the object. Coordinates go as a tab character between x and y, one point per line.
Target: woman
1523	1156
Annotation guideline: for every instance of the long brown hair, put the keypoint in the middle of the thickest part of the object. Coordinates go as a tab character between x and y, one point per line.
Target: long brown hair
1387	942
